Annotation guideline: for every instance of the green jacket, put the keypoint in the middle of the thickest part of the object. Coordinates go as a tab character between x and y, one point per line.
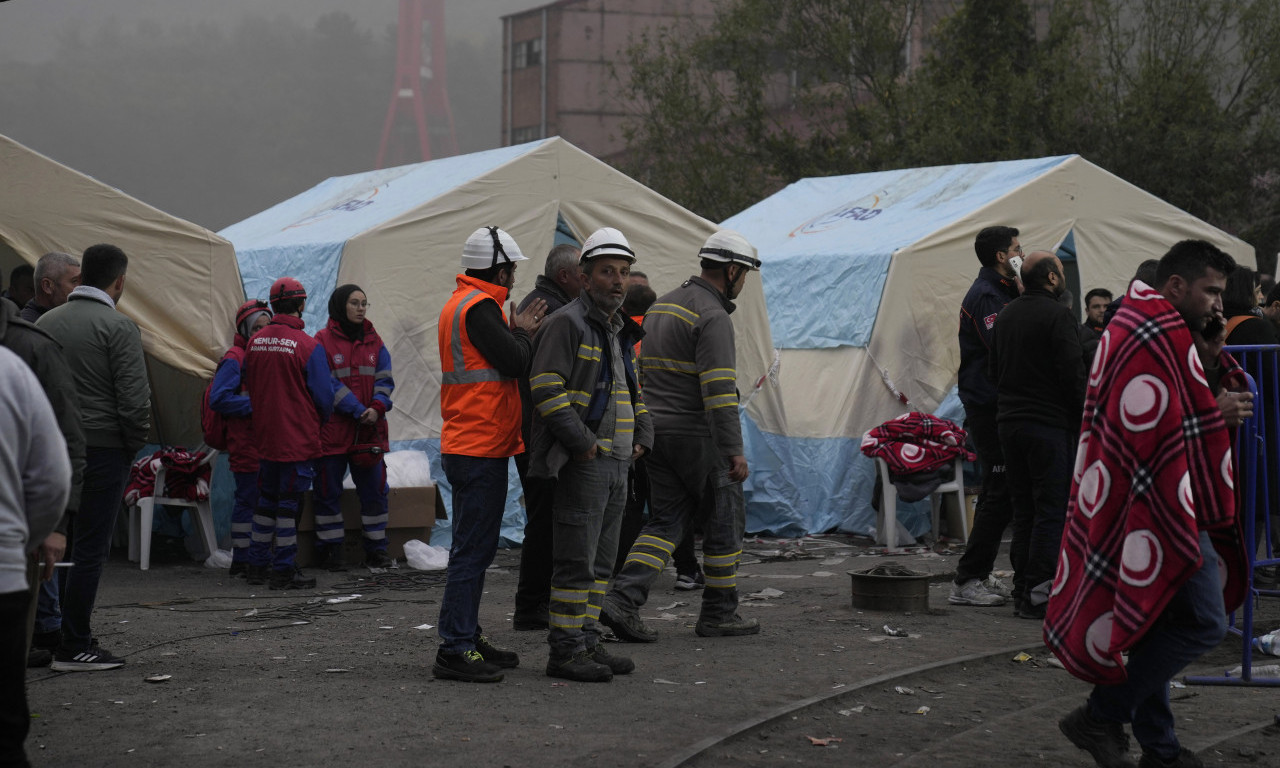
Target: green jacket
104	350
45	358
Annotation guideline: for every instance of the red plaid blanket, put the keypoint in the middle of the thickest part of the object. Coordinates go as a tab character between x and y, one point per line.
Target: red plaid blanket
185	478
916	442
1153	468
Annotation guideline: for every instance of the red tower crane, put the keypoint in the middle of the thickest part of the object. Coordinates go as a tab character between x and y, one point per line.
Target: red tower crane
419	110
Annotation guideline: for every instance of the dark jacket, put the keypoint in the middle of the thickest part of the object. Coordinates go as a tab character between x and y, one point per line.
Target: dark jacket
546	289
45	357
1251	330
986	297
33	311
1037	364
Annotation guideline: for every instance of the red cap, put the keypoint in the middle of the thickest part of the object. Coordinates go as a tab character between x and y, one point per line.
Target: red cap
250	307
287	288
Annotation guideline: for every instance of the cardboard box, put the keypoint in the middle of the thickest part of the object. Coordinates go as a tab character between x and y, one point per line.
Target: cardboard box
411	514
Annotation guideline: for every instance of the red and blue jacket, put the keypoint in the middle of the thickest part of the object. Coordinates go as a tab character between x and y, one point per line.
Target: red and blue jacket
227	397
287	378
363	369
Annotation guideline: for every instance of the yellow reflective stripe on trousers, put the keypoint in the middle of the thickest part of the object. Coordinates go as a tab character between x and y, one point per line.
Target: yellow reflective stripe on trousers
721	561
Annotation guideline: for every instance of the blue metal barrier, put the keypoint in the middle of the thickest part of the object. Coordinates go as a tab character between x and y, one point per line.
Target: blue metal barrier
1258	472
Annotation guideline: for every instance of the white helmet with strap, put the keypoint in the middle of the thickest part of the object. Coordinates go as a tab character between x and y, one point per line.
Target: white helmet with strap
489	247
607	241
729	247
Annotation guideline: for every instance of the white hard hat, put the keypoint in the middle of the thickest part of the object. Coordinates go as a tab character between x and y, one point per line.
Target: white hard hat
607	241
729	247
490	247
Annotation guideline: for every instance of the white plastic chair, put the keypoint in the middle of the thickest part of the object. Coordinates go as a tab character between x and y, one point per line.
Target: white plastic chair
887	517
142	515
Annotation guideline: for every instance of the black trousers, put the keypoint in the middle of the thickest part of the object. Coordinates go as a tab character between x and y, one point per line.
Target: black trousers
15	718
994	511
533	589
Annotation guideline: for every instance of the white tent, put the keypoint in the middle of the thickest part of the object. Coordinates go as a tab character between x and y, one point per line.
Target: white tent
863	276
182	288
398	234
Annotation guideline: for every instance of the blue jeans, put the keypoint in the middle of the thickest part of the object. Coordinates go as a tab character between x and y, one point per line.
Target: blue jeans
479	498
1192	624
106	471
48	609
371	488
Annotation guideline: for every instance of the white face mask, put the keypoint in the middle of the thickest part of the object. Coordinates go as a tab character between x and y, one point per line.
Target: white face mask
1016	263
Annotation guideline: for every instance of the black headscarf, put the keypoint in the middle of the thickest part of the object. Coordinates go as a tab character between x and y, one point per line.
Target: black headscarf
338	311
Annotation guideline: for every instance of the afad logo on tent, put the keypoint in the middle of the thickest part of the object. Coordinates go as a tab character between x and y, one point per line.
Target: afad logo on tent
349	205
863	209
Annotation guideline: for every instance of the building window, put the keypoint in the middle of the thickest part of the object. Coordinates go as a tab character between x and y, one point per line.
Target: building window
527	134
527	53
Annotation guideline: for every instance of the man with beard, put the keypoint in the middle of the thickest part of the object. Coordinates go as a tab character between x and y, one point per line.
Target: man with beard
1151	526
591	424
1039	373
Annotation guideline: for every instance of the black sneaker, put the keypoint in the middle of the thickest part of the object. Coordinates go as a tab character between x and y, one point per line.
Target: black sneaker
530	621
496	656
618	665
1185	759
1107	742
39	657
256	575
627	626
329	557
378	560
1026	610
94	659
468	666
291	579
579	667
238	570
690	581
734	626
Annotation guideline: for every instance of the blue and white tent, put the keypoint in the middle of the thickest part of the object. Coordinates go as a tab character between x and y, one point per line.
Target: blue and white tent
398	234
863	277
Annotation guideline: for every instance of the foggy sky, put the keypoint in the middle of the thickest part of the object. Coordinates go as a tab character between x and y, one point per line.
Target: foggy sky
183	152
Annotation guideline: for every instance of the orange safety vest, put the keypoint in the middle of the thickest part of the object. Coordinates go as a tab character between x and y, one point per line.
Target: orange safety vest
481	407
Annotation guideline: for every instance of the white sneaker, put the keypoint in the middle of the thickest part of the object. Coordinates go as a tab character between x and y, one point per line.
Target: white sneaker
972	592
995	586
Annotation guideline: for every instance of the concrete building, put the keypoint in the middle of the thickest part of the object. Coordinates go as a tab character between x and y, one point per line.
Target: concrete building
559	63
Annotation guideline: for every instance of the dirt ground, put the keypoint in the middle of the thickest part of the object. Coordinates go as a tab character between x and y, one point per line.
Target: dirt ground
265	678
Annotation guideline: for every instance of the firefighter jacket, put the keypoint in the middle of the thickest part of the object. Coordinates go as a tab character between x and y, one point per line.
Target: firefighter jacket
688	365
363	368
575	390
227	397
481	359
286	376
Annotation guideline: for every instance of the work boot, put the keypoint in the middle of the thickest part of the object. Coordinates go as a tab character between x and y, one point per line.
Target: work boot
291	579
496	656
618	665
238	568
378	560
626	625
256	575
1107	742
578	667
468	666
734	626
330	558
1028	610
1185	759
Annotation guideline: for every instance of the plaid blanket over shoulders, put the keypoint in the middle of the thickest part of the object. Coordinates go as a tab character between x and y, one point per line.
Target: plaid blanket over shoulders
1153	467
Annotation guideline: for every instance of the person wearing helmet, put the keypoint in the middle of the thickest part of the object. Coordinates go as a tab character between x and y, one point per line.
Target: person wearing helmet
689	374
559	284
362	365
590	424
227	397
481	359
287	378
